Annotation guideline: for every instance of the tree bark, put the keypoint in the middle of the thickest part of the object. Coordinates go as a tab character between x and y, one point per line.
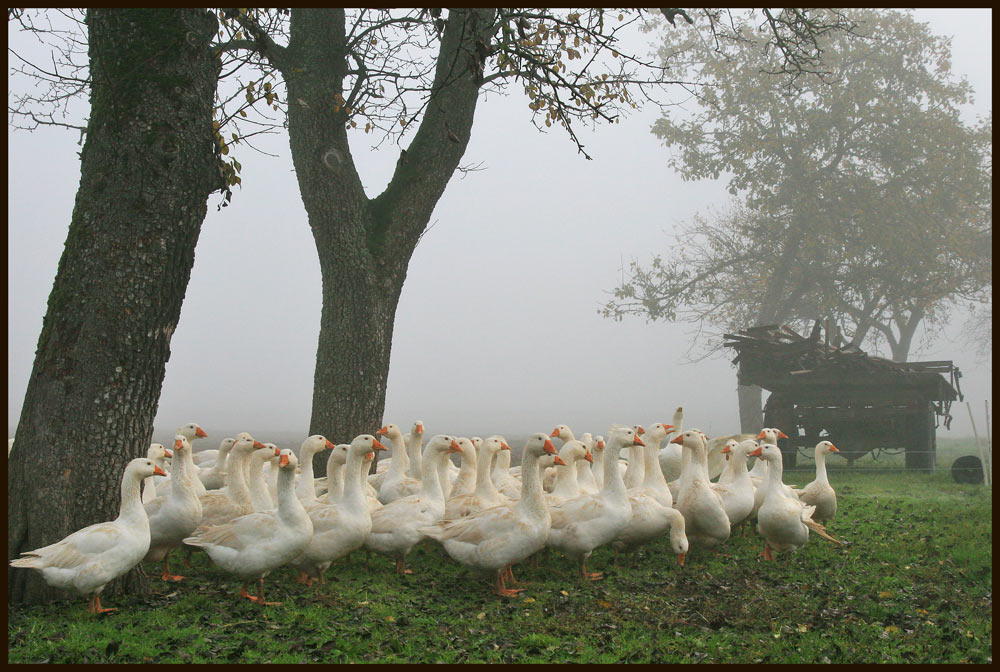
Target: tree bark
364	245
147	169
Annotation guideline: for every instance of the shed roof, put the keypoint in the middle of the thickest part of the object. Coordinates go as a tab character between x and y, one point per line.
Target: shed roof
779	359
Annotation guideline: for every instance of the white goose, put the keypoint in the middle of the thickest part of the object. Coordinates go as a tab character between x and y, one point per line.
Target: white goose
218	507
597	468
192	431
705	518
260	495
414	448
635	469
506	484
585	468
820	493
652	504
252	545
465	482
758	473
340	527
669	456
581	524
305	488
89	558
175	514
567	485
486	494
782	520
395	527
214	477
496	538
395	483
158	453
734	486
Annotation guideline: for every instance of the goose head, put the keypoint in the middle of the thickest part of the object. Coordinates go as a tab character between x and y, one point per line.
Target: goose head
287	460
313	444
826	447
339	454
571	451
443	444
418	428
157	451
538	444
771	435
625	436
181	446
143	467
562	432
766	451
658	431
364	444
391	431
691	438
730	448
494	444
191	431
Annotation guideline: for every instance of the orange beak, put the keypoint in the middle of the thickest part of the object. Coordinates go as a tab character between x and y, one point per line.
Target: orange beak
277	451
680	557
283	461
167	453
782	435
200	433
833	448
755	452
726	449
555	433
157	471
549	448
667	427
377	446
761	435
600	444
384	430
559	460
177	444
589	457
257	444
637	441
641	431
329	445
677	439
504	446
420	429
454	448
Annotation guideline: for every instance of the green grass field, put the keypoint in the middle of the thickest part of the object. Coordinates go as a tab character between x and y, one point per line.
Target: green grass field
913	584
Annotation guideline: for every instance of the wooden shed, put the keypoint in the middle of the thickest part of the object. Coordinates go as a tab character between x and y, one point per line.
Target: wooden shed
860	403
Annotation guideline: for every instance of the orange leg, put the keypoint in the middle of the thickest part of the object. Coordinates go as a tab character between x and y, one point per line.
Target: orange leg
502	590
95	606
767	552
592	576
167	576
401	566
260	594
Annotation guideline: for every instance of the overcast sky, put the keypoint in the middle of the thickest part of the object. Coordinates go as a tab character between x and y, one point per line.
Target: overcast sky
517	262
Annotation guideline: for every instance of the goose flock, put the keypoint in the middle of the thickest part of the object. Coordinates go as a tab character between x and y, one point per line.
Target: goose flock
254	507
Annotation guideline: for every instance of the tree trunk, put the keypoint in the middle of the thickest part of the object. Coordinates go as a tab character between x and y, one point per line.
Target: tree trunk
365	245
147	169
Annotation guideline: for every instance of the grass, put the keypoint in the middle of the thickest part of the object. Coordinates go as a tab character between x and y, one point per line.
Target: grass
914	584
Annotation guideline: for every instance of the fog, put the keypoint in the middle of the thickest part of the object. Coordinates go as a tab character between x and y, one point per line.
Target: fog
497	328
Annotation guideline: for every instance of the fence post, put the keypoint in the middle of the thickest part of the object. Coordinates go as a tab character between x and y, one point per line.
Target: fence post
989	441
982	456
